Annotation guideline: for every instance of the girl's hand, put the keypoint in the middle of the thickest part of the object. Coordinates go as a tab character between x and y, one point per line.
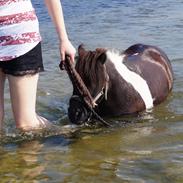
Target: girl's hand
66	48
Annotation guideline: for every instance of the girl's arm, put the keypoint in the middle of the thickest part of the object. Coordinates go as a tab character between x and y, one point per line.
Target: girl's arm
56	13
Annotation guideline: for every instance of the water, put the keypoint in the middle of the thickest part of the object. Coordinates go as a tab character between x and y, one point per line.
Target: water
150	148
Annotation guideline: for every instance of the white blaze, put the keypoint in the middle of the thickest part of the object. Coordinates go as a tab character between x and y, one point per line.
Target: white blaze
137	82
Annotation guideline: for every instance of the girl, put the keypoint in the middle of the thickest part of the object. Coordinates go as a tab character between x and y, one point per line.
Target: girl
21	57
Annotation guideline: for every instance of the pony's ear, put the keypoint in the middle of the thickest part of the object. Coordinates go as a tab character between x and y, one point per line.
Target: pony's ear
102	55
102	58
81	50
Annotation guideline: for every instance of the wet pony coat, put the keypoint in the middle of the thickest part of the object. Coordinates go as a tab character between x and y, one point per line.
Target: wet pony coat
137	79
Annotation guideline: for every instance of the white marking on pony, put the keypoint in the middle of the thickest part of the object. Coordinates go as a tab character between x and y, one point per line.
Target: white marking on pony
135	53
137	82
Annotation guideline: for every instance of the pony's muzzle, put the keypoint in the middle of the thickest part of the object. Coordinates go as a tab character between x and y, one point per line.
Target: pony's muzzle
77	111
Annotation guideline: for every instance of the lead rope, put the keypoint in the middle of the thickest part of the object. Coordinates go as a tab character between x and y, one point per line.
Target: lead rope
81	87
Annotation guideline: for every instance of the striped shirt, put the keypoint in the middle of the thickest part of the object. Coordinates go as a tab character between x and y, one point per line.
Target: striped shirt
19	28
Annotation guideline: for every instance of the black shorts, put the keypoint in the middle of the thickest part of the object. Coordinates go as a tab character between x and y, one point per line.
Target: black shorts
29	63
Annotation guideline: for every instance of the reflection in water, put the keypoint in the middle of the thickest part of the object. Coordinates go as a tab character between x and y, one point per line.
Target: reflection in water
148	150
22	162
30	154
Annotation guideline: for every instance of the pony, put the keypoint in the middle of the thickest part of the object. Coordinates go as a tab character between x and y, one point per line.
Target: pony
121	83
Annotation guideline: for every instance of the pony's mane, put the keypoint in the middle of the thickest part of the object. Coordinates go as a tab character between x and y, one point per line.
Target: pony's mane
90	68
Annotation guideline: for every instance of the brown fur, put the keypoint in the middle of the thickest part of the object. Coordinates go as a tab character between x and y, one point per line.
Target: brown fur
149	62
90	67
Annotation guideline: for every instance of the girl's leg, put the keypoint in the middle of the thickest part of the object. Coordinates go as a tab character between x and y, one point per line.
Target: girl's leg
2	81
23	91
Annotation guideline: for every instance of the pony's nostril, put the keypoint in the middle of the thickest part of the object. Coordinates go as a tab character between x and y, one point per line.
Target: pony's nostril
77	113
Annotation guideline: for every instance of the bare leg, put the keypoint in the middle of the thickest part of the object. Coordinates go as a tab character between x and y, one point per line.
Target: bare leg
23	97
2	81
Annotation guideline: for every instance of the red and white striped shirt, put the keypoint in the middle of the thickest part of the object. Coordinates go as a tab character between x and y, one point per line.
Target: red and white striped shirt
19	28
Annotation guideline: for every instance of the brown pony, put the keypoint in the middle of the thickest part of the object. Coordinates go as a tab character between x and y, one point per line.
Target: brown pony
121	83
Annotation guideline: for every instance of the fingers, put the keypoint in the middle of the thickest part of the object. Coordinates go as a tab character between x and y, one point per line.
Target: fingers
72	57
67	49
62	55
62	65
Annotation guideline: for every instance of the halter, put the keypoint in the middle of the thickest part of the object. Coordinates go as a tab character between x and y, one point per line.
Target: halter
104	90
82	89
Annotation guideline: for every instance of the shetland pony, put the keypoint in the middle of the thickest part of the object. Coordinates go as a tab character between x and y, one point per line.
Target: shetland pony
121	83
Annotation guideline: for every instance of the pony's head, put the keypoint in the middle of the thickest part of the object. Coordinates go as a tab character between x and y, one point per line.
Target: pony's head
91	68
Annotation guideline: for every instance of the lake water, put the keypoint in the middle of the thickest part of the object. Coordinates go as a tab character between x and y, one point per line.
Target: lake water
147	150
